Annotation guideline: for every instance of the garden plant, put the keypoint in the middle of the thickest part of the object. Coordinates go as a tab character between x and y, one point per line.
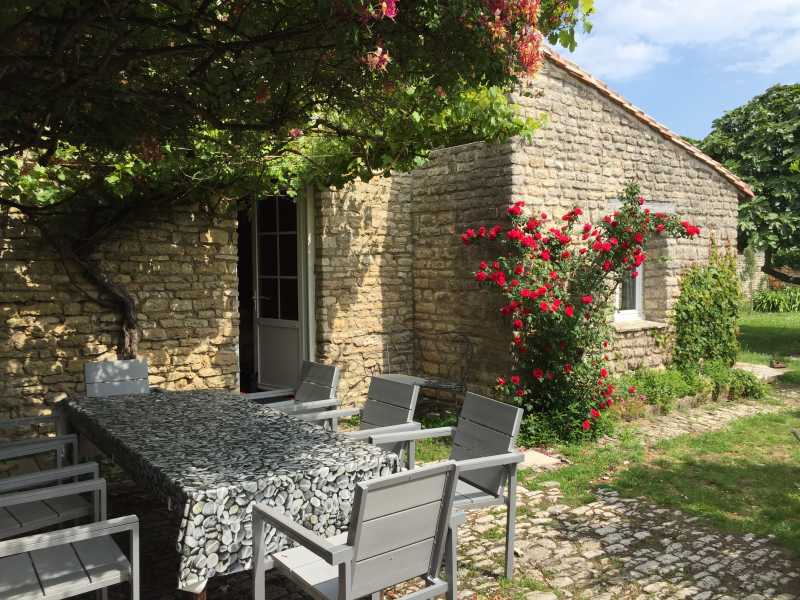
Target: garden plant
557	278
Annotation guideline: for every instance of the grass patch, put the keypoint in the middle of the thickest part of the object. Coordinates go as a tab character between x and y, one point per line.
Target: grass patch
589	463
743	478
433	450
763	336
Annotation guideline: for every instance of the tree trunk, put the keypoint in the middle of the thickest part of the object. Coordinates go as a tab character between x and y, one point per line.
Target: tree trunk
773	271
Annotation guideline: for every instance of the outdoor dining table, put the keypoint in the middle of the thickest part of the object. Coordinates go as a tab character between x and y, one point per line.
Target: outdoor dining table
211	454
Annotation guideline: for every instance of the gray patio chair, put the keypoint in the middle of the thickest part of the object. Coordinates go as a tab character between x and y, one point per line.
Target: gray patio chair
68	562
397	532
315	391
64	505
484	448
116	377
24	450
389	407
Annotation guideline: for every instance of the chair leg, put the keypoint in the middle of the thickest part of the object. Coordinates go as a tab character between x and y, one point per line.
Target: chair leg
511	516
451	562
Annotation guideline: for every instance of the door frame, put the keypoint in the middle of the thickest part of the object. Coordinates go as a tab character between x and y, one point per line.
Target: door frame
306	292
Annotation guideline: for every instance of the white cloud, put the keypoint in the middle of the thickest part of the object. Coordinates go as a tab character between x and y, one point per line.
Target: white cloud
631	37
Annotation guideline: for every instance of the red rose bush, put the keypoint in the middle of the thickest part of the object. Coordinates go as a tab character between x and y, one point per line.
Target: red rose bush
557	277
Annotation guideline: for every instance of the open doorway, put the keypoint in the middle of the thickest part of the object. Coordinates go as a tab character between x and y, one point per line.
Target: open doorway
274	292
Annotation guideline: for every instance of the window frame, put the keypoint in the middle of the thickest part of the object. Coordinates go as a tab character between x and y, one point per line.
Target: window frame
636	313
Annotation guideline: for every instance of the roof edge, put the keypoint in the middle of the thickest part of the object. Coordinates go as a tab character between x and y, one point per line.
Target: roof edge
662	130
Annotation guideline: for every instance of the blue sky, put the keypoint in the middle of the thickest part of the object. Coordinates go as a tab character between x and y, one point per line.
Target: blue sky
685	62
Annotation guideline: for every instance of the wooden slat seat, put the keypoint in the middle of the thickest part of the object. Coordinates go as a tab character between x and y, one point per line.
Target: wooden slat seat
25	516
63	571
468	496
32	516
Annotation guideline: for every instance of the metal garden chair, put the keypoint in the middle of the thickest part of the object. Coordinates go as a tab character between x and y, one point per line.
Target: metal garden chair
68	562
390	406
315	391
484	450
397	532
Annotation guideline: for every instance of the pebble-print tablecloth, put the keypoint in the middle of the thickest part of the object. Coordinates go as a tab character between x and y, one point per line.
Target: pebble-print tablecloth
213	453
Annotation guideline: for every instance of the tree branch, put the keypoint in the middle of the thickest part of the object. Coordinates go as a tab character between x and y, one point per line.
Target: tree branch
773	271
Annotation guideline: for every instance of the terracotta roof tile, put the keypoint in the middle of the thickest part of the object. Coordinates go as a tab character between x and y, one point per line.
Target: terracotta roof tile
601	87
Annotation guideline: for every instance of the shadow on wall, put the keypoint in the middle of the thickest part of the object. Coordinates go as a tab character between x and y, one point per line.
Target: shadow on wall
364	281
461	187
182	272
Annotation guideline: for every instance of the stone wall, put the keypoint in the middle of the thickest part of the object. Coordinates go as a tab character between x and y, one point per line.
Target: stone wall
180	269
364	283
460	187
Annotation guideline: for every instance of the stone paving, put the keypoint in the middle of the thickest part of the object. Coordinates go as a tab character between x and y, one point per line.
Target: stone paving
620	548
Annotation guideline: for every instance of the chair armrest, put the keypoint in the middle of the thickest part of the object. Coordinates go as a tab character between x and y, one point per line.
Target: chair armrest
313	406
23	421
22	482
366	434
70	535
282	393
330	553
497	460
54	491
327	415
411	436
36	446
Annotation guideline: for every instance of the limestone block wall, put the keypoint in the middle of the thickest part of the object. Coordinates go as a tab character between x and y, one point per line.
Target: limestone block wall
180	268
460	187
364	281
584	155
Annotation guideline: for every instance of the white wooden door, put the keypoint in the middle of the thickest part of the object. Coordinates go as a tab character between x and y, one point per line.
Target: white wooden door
279	303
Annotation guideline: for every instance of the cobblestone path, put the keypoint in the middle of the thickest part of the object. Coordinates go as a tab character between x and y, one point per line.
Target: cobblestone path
620	548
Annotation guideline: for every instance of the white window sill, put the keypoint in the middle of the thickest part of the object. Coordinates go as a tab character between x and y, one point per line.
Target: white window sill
627	325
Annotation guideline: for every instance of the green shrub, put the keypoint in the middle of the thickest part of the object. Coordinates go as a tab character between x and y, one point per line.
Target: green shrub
706	313
746	385
783	300
663	387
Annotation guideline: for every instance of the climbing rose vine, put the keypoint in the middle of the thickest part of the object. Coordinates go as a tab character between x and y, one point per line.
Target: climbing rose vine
557	277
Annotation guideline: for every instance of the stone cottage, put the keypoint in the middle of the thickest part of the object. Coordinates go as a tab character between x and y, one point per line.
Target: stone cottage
372	277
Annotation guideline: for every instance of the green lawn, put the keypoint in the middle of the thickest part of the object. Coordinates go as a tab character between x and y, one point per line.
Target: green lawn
764	335
744	478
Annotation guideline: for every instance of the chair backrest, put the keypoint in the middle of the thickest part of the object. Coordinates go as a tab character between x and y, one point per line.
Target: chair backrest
317	382
485	427
116	377
389	403
398	527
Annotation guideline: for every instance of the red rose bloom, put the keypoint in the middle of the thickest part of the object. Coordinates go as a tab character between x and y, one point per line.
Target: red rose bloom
638	238
569	311
518	270
607	265
587	299
568	368
515	379
538	373
501	381
544	306
545	255
480	276
603	372
520	393
631	390
595	413
586	425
